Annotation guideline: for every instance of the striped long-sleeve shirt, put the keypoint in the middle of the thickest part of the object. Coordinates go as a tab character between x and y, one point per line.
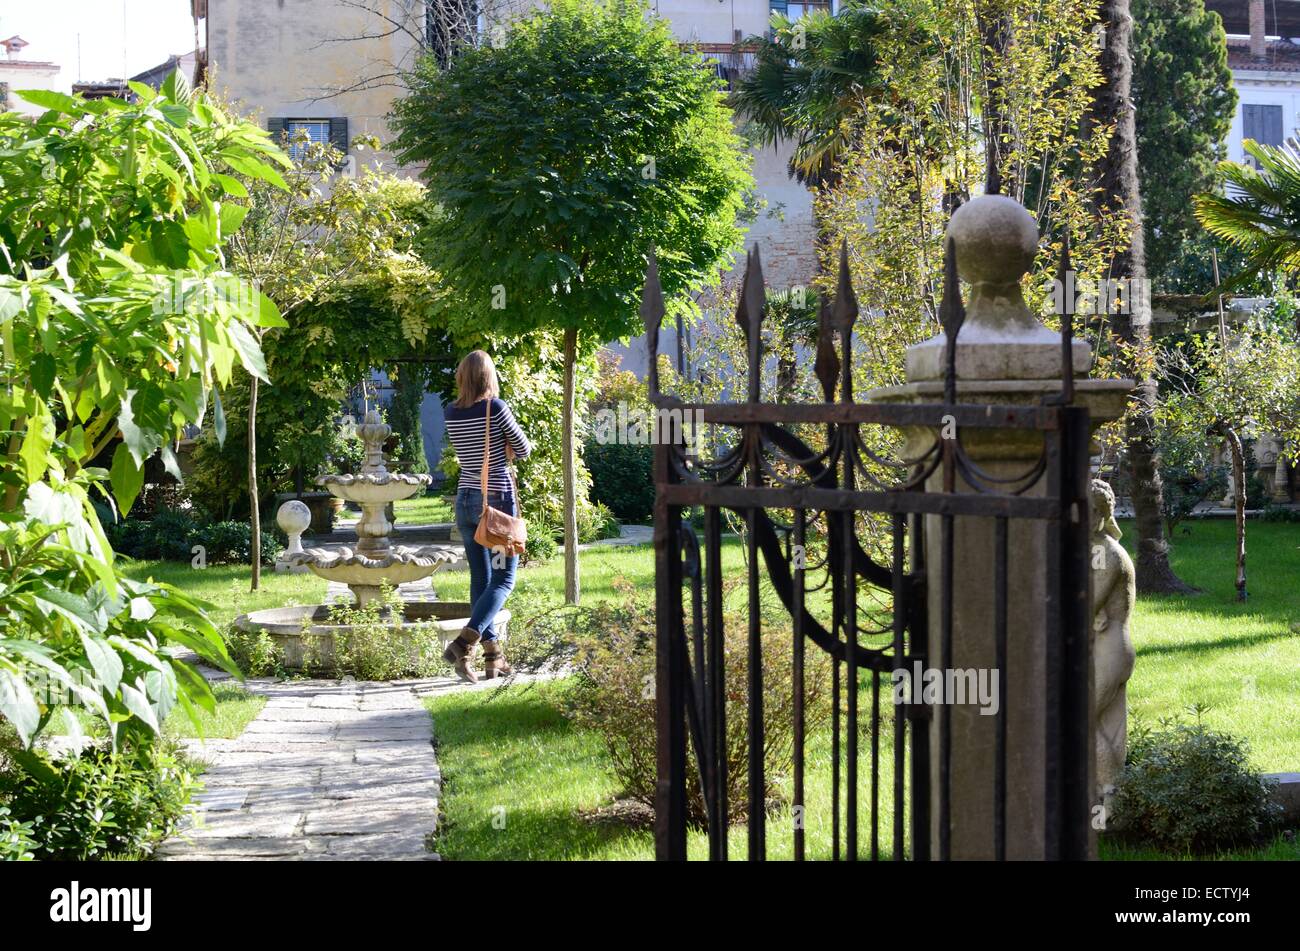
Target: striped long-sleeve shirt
465	429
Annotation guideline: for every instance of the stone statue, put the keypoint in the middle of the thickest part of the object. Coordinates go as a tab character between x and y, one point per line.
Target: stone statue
1114	590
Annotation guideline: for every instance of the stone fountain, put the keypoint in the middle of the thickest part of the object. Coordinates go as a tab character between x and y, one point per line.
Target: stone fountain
375	561
306	632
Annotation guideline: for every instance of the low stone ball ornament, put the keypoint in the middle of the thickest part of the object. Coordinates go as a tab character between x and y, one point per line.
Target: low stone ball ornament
293	517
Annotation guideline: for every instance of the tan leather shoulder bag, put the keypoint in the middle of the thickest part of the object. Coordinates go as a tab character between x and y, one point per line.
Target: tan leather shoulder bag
498	530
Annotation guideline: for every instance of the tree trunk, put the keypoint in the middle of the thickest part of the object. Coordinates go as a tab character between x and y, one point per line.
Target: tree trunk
571	586
1239	503
1117	178
254	509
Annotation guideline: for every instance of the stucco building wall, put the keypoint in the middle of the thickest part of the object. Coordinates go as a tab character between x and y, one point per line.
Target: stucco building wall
290	59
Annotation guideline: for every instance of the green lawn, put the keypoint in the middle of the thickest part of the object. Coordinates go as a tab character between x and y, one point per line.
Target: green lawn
511	757
1243	660
423	510
236	708
515	750
226	586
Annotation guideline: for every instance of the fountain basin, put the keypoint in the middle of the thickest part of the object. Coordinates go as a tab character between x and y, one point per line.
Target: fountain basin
304	632
375	487
364	571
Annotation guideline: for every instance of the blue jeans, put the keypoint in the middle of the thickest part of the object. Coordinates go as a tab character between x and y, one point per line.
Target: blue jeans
491	575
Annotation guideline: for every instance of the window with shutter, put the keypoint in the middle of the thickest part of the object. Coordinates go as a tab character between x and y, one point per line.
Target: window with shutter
1272	131
1263	124
338	133
1250	121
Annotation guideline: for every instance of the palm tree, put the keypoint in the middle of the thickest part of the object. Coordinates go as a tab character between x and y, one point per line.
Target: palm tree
1119	191
811	78
1259	211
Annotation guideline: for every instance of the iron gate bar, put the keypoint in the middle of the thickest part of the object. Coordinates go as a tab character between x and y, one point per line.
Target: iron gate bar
964	415
757	787
740	498
1000	663
917	620
718	766
900	625
797	672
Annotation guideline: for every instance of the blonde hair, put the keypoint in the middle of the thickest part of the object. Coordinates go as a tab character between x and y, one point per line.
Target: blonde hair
476	378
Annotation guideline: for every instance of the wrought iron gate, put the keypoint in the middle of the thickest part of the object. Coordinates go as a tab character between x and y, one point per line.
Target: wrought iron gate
765	467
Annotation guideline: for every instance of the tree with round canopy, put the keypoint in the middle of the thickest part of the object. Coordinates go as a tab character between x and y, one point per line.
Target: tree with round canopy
556	157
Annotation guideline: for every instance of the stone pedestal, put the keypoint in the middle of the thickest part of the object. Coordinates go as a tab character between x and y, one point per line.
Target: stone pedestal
294	518
1004	356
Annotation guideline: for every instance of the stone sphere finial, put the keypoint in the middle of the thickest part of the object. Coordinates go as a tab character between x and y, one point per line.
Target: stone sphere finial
294	517
995	239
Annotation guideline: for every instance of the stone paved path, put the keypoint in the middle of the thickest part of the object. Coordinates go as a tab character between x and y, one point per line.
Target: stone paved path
328	770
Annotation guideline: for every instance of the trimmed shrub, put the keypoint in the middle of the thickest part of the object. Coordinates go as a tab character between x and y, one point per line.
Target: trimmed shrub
1188	789
622	478
172	534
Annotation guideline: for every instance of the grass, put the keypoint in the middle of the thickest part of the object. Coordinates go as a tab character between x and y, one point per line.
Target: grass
226	586
523	783
423	510
236	708
513	757
1240	660
1279	850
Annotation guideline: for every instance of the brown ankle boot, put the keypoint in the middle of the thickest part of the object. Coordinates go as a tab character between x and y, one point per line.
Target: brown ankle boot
494	661
458	654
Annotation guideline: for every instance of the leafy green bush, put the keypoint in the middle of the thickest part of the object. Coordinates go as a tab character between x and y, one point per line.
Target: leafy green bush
17	843
172	534
377	647
232	542
1280	513
1258	494
121	320
254	652
614	696
595	522
541	546
1188	789
96	804
622	477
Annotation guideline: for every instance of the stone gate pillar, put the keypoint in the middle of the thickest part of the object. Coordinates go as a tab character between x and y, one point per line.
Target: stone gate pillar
1005	356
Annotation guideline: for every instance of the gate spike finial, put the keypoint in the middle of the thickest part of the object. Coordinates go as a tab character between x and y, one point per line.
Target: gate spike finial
846	301
845	314
1069	303
952	314
749	314
652	314
827	365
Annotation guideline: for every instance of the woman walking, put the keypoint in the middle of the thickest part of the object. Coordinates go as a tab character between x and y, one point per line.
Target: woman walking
477	421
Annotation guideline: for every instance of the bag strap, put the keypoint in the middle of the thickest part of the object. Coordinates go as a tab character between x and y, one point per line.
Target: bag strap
487	450
487	455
